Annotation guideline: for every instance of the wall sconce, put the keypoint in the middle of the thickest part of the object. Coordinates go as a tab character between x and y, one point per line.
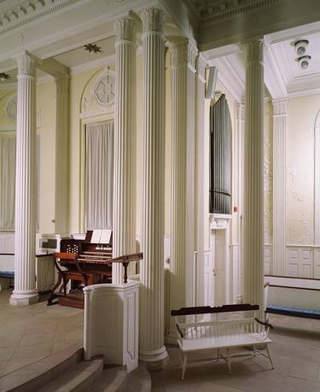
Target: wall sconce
301	47
304	61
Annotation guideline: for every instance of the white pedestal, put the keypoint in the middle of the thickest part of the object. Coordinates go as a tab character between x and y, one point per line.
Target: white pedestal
111	324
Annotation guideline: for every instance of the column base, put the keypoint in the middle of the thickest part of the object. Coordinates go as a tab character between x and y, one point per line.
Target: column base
154	360
24	298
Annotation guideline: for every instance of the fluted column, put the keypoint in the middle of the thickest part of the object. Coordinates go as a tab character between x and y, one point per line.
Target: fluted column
182	177
238	166
280	113
24	292
152	349
202	203
253	177
124	222
191	175
62	152
179	51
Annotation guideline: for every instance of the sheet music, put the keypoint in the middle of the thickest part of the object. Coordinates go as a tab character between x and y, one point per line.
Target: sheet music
105	236
96	236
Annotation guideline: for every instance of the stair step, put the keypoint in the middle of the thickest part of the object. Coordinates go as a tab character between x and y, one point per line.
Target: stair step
78	378
116	379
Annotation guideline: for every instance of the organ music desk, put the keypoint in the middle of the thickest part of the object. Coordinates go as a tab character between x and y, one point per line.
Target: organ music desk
93	258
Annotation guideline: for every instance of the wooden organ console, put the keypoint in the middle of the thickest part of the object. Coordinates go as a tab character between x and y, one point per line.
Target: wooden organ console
94	257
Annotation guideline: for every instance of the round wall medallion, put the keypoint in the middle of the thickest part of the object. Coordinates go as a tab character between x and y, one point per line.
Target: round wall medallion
104	90
12	109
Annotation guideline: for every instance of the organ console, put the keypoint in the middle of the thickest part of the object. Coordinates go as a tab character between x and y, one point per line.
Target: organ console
93	263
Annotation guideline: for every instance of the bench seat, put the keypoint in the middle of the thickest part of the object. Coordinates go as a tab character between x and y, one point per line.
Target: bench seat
7	274
219	342
295	312
221	329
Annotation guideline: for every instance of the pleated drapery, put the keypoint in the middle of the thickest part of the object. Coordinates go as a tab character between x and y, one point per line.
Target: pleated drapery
7	180
99	175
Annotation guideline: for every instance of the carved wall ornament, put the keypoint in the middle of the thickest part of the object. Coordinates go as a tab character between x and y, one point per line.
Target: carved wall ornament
12	109
104	90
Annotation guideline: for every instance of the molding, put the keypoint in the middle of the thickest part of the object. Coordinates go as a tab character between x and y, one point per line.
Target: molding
231	74
273	79
97	112
225	10
102	62
30	11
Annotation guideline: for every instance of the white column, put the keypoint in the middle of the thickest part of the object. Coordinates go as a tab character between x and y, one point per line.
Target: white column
124	222
152	349
62	154
280	112
24	292
238	269
191	176
254	177
178	226
202	193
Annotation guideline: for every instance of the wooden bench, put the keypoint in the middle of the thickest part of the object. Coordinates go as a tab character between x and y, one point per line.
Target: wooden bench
221	329
295	297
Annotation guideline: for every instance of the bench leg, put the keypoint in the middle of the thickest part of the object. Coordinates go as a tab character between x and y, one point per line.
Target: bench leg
269	356
229	361
184	360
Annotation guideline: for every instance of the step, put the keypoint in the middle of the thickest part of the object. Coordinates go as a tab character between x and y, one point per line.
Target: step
116	379
78	378
34	375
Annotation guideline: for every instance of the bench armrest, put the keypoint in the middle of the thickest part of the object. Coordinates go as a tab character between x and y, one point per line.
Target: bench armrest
179	331
266	324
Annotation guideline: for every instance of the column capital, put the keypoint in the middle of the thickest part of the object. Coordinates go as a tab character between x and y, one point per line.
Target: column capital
254	50
152	20
240	111
192	56
62	84
178	48
125	29
201	67
280	106
26	64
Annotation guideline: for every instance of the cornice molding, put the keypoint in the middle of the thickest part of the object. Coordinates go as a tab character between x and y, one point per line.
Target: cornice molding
223	10
30	11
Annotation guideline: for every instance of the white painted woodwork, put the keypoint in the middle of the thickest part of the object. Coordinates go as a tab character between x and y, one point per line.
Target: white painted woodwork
208	279
62	154
253	223
316	180
280	110
111	323
178	225
124	205
24	292
151	341
219	240
203	271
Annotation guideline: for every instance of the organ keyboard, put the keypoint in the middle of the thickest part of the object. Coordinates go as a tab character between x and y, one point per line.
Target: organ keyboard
93	260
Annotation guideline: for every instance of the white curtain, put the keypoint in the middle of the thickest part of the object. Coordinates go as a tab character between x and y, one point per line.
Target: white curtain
7	180
99	175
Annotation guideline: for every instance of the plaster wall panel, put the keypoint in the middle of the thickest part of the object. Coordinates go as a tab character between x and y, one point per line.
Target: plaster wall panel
300	170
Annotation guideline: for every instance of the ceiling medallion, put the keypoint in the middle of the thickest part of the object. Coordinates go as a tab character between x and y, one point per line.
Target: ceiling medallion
92	48
4	76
